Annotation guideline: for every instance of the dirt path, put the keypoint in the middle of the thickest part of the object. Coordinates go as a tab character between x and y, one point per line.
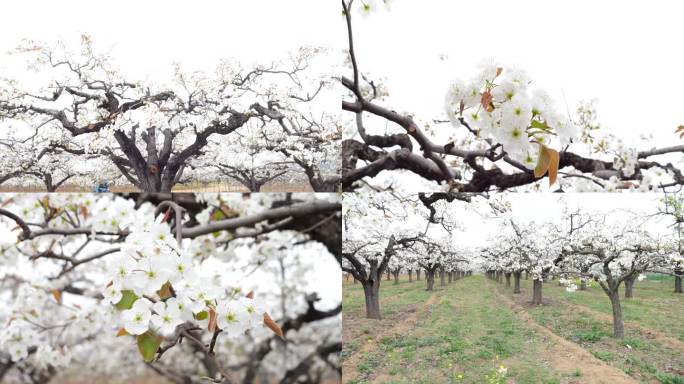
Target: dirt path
565	356
407	323
650	333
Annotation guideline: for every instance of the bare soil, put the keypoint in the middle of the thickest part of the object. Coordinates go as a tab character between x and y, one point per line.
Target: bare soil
565	356
397	324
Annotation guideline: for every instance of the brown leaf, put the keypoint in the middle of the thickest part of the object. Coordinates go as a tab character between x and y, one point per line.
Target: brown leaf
57	294
273	326
212	320
165	291
542	163
250	295
84	211
549	161
122	332
486	101
554	163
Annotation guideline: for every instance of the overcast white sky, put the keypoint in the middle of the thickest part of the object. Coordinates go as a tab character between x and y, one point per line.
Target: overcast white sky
147	36
627	54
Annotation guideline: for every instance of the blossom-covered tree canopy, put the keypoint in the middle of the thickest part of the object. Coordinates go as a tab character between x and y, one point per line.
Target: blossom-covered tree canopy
76	104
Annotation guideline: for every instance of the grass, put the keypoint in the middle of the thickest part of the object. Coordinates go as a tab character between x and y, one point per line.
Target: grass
654	305
469	332
464	337
638	354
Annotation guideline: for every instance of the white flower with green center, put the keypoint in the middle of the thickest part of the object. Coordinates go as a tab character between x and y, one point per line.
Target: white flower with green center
112	293
166	317
137	319
121	269
183	269
515	141
18	351
255	310
151	273
232	318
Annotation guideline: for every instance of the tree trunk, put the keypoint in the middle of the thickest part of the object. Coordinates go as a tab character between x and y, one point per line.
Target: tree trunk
449	277
618	325
508	279
441	277
346	277
583	285
527	275
430	278
678	284
388	276
417	274
537	292
516	282
629	287
372	295
396	277
410	272
254	186
48	183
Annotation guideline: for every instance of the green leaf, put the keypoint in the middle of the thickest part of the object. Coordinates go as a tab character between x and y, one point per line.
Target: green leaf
539	125
127	300
217	215
148	344
202	315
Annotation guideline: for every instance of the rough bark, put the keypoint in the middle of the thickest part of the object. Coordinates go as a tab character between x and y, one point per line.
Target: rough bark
516	282
430	278
629	287
371	292
618	325
537	292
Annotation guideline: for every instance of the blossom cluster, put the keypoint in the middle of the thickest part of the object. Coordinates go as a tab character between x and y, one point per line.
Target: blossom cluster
163	286
626	160
499	105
